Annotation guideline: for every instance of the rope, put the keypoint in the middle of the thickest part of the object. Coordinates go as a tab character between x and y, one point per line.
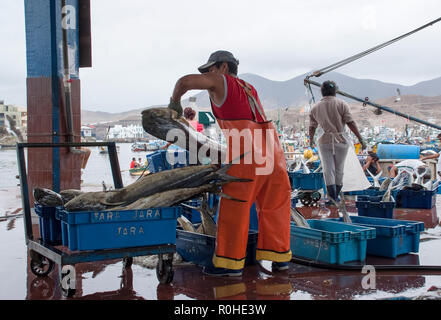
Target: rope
341	63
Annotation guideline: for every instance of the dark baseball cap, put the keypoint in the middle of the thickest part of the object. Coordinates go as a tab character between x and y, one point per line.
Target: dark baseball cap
218	56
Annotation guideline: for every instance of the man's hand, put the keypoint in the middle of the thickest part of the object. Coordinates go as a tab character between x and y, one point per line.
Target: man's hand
363	144
176	105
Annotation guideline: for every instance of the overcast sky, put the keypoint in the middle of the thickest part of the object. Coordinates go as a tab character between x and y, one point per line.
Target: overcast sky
140	48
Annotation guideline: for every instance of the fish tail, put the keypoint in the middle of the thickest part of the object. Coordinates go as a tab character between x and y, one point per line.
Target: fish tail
215	188
222	175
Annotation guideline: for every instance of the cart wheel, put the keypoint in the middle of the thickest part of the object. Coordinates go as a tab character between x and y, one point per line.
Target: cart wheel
67	293
306	200
316	196
164	270
127	262
42	267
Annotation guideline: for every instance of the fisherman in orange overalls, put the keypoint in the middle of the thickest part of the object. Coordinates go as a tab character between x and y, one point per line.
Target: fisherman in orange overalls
240	115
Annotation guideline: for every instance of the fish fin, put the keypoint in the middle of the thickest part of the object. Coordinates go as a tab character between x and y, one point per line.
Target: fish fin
222	175
226	196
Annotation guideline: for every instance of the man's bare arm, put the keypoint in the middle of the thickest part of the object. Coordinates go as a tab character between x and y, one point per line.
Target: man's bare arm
212	82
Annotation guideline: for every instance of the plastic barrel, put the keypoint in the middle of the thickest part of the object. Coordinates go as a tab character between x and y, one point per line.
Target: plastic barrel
398	151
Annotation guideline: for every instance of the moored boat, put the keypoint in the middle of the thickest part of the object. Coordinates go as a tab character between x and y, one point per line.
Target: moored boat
139	171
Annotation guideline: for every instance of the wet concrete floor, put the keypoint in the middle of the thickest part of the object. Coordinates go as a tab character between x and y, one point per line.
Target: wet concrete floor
106	280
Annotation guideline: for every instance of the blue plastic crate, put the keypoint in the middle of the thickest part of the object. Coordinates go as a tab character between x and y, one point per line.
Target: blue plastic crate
156	161
372	206
421	199
330	242
194	215
199	248
366	192
175	158
306	181
393	237
118	229
50	227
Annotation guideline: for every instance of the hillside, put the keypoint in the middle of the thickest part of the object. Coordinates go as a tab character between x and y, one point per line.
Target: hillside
424	96
418	106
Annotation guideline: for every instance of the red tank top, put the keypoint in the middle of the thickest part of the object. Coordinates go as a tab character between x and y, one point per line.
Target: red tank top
236	105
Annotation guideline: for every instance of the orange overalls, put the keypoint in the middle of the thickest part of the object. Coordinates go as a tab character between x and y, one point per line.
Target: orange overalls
270	189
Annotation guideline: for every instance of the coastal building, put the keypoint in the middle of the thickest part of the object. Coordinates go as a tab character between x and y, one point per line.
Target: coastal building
87	131
128	132
17	113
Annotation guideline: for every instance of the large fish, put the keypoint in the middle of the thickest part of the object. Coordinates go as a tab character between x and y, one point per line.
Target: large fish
376	178
208	225
305	167
186	224
298	219
403	179
47	197
173	197
342	208
385	184
160	121
185	177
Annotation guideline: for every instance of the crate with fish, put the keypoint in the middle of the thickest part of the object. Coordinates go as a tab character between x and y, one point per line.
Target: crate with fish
393	237
196	242
193	244
376	206
50	227
330	242
190	208
416	199
95	230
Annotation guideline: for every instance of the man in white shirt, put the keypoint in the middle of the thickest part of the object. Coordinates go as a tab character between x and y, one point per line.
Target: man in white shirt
410	164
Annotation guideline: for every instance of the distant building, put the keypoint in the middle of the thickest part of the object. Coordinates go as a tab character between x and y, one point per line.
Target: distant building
129	132
86	131
17	113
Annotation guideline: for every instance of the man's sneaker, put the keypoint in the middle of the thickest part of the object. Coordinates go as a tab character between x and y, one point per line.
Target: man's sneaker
219	272
280	266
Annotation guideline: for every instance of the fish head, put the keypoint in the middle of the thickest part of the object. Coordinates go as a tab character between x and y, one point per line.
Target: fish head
47	197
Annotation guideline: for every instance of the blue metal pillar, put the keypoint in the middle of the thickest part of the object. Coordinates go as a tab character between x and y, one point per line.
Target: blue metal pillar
55	169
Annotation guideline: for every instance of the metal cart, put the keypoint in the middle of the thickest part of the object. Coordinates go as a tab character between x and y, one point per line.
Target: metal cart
45	256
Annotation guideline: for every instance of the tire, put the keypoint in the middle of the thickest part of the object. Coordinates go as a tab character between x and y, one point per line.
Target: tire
42	267
306	200
316	196
164	271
